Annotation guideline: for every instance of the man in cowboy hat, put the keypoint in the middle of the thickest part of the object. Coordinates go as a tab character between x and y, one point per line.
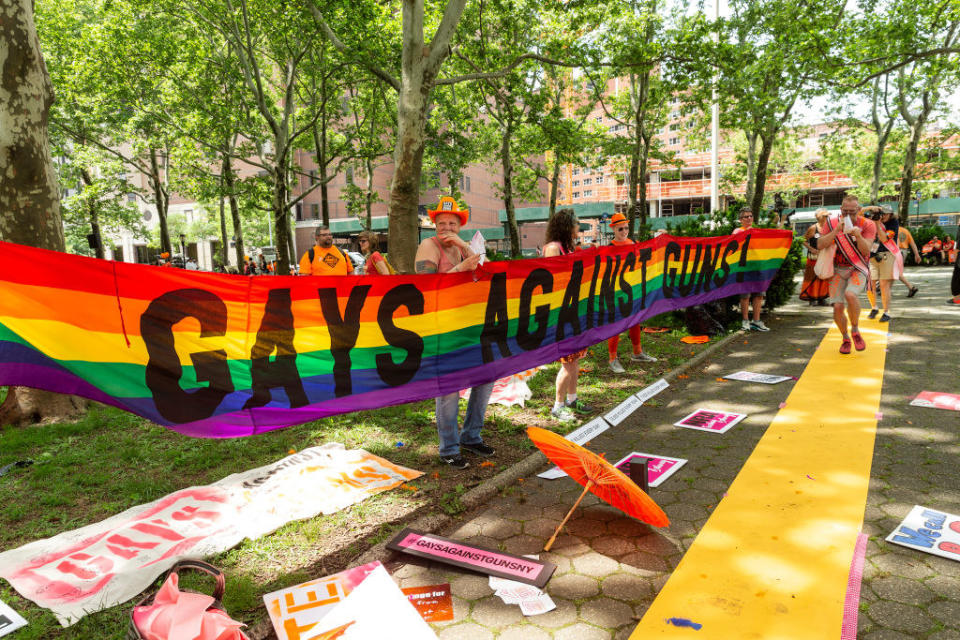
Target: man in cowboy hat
447	252
621	237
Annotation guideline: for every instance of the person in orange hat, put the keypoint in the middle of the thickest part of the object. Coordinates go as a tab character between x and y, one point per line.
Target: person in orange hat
621	236
447	252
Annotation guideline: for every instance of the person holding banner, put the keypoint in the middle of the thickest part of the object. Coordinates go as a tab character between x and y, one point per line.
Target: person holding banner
850	238
756	296
621	237
447	252
561	239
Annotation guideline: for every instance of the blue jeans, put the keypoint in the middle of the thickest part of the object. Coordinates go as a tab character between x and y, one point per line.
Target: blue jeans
448	409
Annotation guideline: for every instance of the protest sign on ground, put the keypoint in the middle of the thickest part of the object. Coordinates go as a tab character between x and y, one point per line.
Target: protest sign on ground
709	420
109	562
929	530
762	378
10	620
658	469
937	400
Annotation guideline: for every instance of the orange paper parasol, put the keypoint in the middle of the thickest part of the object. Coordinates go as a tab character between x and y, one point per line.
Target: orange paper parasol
597	476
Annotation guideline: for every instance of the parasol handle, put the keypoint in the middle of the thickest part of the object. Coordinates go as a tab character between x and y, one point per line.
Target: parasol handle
567	517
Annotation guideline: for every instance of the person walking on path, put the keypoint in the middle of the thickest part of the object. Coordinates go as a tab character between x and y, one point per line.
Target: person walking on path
905	240
561	237
849	239
324	259
886	261
621	237
447	252
955	285
814	289
374	264
746	222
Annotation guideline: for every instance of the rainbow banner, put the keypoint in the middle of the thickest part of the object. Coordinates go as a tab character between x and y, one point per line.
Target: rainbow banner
219	356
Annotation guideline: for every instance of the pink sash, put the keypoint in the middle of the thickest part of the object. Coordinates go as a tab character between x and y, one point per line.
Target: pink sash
894	250
848	249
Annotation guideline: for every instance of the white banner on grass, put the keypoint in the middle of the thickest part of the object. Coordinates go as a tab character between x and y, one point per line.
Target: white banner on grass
648	392
103	564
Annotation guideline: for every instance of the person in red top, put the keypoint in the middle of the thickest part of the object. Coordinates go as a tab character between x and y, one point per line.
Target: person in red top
851	237
621	236
375	263
756	295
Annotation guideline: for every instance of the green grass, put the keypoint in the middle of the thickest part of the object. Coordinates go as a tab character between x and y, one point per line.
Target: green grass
110	461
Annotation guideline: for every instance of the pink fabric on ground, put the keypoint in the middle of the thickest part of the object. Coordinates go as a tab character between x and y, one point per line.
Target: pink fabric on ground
851	606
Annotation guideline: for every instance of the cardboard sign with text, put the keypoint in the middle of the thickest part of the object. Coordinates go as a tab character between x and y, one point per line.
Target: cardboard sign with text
937	400
433	602
762	378
10	620
474	558
658	469
712	421
929	530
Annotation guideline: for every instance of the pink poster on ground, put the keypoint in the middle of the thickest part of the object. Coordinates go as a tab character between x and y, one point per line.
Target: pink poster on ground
937	400
713	421
658	469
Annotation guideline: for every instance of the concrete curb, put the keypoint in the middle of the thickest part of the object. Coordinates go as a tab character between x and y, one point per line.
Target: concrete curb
473	498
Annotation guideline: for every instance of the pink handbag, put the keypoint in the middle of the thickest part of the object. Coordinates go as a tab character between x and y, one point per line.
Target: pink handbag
184	615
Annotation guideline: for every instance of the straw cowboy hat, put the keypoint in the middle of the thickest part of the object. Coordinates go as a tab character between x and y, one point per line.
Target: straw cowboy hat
449	205
618	218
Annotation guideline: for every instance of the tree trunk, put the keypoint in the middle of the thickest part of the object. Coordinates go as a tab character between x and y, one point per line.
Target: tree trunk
507	163
751	166
281	219
642	191
632	182
94	218
554	184
909	165
369	194
404	236
224	239
160	199
29	195
766	147
230	180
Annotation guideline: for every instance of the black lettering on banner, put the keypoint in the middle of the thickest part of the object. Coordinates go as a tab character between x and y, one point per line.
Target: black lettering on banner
593	291
743	258
644	255
343	332
606	305
496	320
685	282
397	373
626	306
275	335
570	308
163	371
721	278
670	275
711	257
527	340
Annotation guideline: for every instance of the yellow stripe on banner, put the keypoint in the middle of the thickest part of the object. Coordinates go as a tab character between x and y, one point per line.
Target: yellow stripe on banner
773	560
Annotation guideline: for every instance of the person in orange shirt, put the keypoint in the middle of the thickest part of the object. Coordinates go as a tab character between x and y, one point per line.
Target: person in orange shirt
621	236
324	259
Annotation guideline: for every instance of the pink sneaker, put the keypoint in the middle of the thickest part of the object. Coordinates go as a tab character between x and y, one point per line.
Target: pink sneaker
845	346
858	341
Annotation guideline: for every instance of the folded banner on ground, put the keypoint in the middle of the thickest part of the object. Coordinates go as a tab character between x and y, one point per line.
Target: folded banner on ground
103	564
215	355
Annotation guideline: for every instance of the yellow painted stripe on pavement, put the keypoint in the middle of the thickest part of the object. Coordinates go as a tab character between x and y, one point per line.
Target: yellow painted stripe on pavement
773	560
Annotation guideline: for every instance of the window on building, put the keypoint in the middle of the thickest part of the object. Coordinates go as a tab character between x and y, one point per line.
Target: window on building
313	177
349	175
131	197
315	211
299	212
587	181
674	126
576	171
674	114
576	194
599	118
188	215
587	193
468	185
674	140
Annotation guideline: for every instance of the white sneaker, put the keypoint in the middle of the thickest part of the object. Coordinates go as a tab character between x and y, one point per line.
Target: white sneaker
563	414
642	357
745	325
616	367
759	326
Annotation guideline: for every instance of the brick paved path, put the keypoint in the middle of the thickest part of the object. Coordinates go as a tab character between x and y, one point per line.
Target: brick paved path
610	567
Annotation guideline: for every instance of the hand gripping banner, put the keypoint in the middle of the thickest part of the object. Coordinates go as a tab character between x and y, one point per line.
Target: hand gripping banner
214	355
